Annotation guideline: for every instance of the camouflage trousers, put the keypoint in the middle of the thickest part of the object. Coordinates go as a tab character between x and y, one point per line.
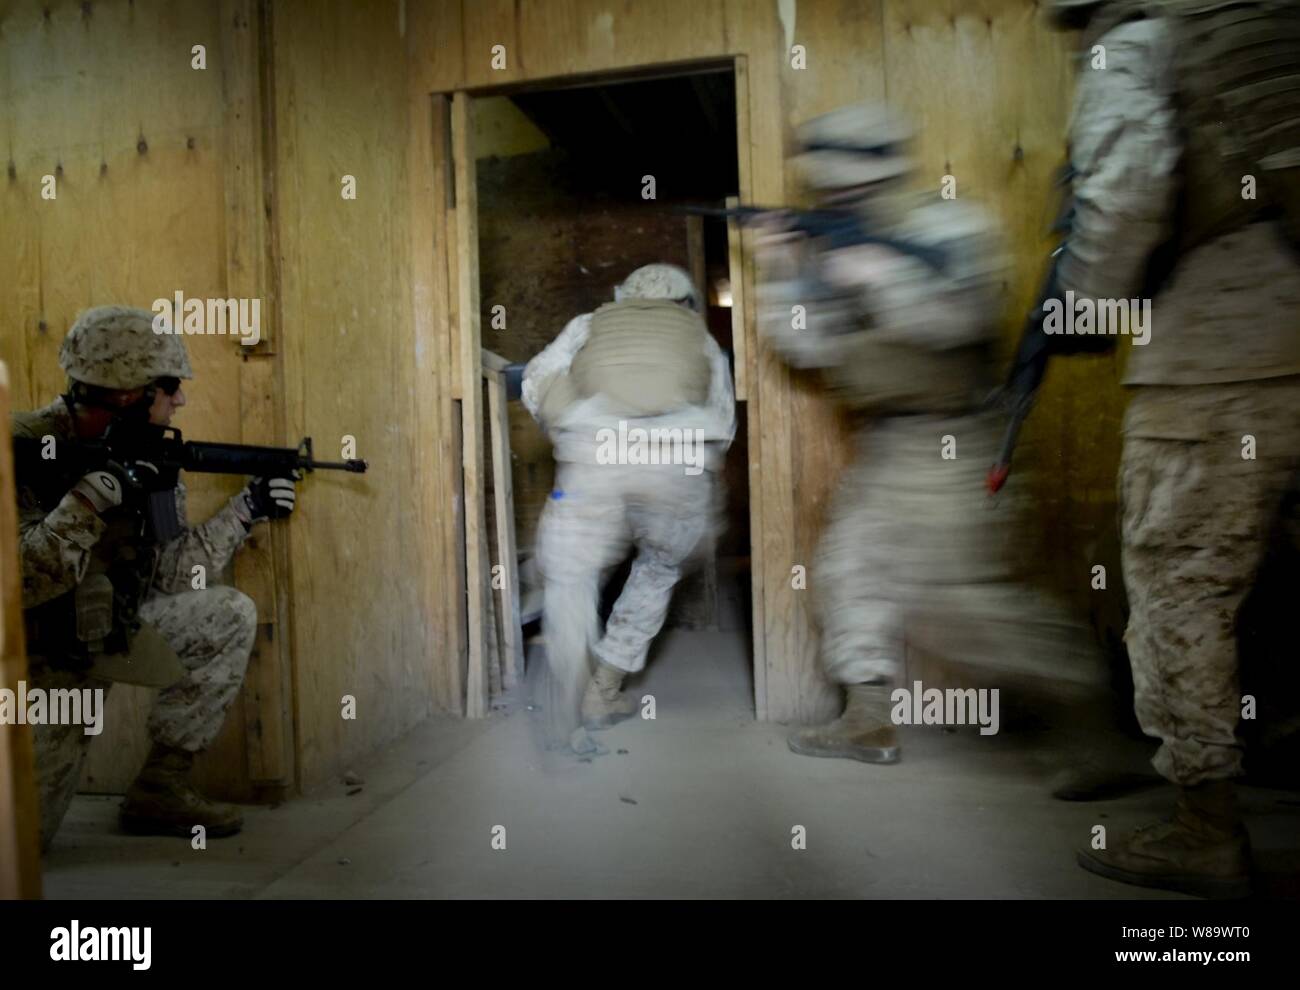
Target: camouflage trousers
596	513
917	558
1197	518
212	631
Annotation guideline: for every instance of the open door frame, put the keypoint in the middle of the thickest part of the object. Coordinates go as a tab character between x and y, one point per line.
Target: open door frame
454	171
468	389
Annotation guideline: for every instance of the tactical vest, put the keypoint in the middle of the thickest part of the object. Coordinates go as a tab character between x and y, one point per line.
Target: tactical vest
93	627
1237	82
647	356
896	375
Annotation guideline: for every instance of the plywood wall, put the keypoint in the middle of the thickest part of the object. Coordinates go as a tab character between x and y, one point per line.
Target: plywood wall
369	593
155	194
225	180
103	97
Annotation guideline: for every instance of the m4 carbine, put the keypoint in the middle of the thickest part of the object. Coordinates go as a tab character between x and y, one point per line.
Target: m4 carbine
167	450
834	228
152	457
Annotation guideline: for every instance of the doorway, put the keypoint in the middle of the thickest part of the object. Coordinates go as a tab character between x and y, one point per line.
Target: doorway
572	184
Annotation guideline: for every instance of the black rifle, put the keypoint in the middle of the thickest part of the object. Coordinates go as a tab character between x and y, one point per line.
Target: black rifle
166	449
1037	347
836	228
1027	371
149	460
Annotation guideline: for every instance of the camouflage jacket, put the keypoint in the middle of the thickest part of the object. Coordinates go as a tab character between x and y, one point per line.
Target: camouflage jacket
1226	313
903	338
56	545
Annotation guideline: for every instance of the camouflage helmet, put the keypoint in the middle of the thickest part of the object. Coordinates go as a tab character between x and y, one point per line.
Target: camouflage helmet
659	281
116	347
853	145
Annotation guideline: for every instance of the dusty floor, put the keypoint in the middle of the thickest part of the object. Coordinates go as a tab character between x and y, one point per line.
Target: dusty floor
699	802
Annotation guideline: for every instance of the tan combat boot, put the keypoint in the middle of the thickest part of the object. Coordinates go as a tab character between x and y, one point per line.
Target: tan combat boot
1203	850
604	703
163	802
863	732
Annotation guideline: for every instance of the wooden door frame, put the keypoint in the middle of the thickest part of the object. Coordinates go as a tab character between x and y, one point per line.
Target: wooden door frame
20	844
454	170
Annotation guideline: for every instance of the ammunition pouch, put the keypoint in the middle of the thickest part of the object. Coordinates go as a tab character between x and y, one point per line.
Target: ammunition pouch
149	662
161	516
90	643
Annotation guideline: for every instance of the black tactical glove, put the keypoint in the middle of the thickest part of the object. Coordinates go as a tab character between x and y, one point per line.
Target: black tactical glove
269	498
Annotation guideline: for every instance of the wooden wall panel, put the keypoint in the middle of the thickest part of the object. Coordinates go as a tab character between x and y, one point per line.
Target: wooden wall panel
20	855
560	39
781	624
103	97
363	578
435	45
265	716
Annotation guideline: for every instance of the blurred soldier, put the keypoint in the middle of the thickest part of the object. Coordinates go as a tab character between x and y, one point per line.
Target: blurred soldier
1186	147
914	556
104	602
637	401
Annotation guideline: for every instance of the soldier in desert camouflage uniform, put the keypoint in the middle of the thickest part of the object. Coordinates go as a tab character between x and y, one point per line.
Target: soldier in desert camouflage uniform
914	555
645	361
1195	101
193	644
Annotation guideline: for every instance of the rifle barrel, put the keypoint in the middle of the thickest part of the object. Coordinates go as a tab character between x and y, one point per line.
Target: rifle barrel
355	465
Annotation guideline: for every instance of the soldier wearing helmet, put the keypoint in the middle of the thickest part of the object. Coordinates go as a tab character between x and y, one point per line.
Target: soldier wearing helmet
104	601
913	556
637	401
1185	142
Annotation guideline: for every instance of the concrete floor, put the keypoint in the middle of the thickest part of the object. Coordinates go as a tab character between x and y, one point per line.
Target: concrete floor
699	802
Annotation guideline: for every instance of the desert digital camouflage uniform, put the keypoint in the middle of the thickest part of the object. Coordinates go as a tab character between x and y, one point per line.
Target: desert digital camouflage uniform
1223	363
211	630
1196	99
648	363
915	555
